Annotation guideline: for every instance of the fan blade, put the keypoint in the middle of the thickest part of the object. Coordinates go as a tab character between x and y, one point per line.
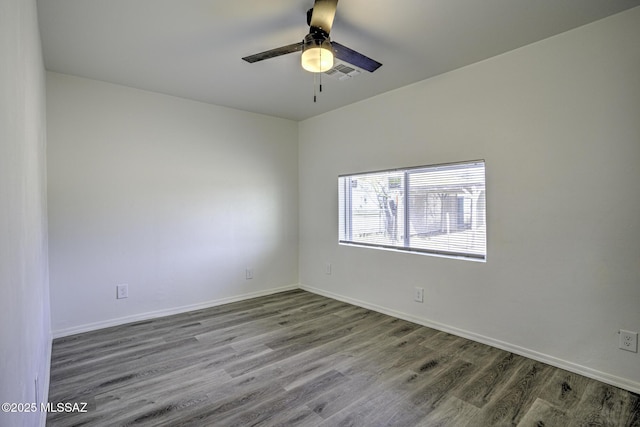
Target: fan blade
352	57
323	13
279	51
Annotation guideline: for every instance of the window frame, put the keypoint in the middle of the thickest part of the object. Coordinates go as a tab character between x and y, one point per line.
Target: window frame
346	221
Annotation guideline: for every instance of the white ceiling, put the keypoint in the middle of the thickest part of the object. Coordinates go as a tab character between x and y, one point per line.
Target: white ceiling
193	48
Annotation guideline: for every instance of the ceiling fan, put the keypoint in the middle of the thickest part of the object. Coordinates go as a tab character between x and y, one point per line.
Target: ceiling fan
318	51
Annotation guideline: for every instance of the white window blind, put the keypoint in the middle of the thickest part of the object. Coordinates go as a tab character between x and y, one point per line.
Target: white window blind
436	209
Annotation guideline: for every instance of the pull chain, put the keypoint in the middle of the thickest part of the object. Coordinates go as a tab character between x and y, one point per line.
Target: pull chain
319	73
317	77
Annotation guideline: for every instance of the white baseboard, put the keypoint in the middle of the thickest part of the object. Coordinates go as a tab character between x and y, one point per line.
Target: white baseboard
165	312
613	380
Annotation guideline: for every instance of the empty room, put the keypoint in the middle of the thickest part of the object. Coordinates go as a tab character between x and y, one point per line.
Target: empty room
319	213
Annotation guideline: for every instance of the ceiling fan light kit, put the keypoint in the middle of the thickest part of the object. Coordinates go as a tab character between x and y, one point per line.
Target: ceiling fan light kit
317	54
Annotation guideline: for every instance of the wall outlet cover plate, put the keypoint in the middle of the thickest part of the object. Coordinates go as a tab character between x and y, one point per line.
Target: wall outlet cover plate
628	341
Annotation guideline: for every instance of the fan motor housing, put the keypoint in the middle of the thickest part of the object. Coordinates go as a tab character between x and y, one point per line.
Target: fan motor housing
317	39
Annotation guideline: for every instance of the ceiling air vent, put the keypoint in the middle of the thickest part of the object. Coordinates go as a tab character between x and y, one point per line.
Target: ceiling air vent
343	71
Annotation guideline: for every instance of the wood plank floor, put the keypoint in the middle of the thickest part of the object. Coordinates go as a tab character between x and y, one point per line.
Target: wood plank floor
299	359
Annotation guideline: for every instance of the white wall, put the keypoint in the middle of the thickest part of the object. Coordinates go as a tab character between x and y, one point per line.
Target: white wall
25	338
173	197
558	123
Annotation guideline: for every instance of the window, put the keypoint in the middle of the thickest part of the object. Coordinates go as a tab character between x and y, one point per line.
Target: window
436	209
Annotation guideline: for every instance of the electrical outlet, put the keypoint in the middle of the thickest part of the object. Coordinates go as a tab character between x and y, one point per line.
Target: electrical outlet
249	273
628	341
122	291
327	268
418	294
